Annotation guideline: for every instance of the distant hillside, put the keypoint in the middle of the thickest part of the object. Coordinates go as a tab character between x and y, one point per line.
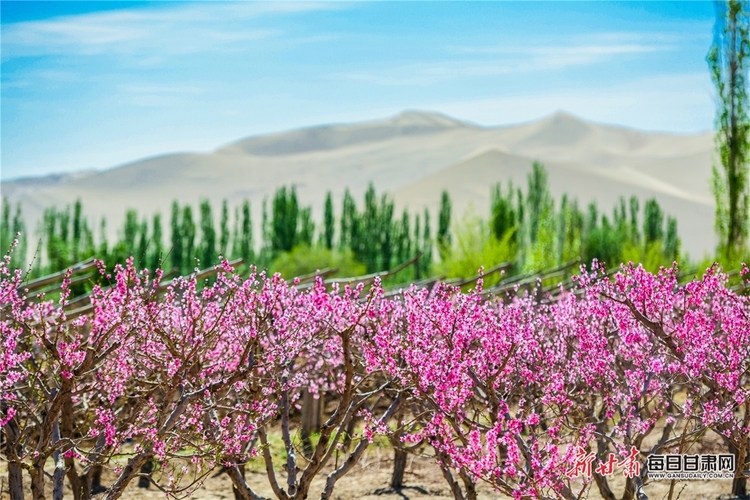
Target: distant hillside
414	156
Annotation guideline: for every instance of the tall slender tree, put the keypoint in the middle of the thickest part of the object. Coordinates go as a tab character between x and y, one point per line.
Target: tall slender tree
130	231
348	221
328	222
236	241
141	255
77	230
157	245
426	260
224	229
444	240
177	248
208	253
306	228
728	63
653	222
187	232
246	235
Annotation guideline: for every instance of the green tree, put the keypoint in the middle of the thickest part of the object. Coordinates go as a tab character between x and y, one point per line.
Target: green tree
569	230
208	255
348	221
672	241
284	221
727	61
236	234
224	230
103	250
306	228
328	222
141	255
246	236
77	230
386	232
475	246
367	248
418	246
130	232
6	236
503	217
265	256
635	235
653	222
157	245
176	250
187	231
444	240
426	261
538	199
9	231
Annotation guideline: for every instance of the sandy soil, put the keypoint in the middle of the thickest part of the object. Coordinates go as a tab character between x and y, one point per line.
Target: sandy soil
369	481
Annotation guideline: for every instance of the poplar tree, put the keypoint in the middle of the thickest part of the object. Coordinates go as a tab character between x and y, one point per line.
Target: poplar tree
236	234
653	222
246	236
306	228
444	221
328	222
348	220
130	232
386	232
177	248
426	259
77	230
141	255
224	229
208	254
157	246
503	216
728	64
187	232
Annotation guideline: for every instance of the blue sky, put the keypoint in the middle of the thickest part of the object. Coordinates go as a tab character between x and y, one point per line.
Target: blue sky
96	84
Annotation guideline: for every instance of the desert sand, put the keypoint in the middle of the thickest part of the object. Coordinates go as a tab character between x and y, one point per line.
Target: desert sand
413	156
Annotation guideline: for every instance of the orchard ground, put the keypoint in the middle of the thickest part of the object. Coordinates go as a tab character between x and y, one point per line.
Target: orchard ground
369	481
371	477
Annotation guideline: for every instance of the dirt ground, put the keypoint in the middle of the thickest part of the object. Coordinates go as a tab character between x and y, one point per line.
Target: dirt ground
369	481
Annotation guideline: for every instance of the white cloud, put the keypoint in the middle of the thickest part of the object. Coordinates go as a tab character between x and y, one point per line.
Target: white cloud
502	60
195	27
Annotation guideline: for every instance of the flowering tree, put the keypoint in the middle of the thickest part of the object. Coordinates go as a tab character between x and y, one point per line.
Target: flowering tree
529	394
704	330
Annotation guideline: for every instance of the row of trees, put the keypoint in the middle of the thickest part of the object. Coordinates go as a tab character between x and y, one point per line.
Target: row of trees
371	236
526	227
531	229
515	393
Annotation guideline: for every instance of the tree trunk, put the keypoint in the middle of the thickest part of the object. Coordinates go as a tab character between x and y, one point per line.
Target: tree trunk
311	408
471	486
399	467
147	468
58	479
37	481
15	473
237	493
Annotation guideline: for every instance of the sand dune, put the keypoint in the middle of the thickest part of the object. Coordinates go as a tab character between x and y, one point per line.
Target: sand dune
414	156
